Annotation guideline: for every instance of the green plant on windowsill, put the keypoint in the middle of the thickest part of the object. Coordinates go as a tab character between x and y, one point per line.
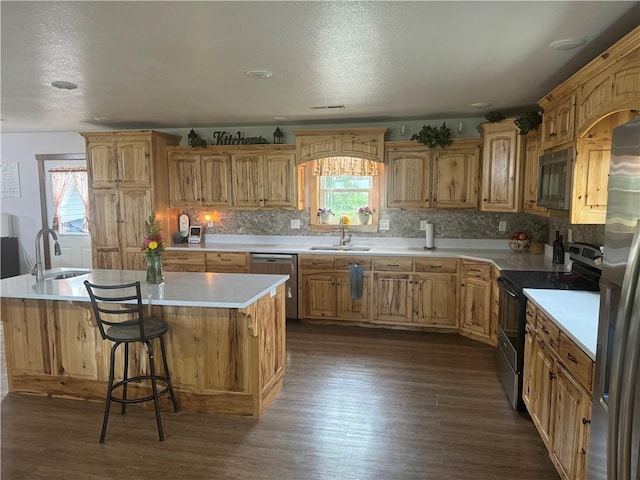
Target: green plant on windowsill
434	136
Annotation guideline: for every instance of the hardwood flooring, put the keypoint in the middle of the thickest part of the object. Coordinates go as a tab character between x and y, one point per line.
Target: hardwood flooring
357	403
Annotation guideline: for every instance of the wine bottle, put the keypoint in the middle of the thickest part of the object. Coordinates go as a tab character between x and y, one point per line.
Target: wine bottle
558	250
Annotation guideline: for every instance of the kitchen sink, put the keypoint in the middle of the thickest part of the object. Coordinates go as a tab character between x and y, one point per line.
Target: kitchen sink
341	248
65	275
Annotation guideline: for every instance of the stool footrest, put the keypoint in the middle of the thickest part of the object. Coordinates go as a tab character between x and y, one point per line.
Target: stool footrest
165	380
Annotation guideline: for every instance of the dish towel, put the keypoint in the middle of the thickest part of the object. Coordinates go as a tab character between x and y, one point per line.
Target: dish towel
355	280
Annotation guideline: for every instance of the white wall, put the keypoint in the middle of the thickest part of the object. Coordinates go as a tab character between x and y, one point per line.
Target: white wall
22	148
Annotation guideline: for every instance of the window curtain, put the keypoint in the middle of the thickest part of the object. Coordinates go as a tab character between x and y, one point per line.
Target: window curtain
80	180
59	183
352	166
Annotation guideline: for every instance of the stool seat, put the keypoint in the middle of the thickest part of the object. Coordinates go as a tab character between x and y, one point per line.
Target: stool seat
119	314
129	330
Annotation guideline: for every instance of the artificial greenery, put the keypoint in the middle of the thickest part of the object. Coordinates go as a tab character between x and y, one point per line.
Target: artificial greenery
494	117
537	231
434	136
528	121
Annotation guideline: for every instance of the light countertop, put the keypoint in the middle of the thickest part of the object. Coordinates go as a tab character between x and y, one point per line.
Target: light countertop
576	313
217	290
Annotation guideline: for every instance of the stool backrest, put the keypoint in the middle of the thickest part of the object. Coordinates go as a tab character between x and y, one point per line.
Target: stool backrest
115	304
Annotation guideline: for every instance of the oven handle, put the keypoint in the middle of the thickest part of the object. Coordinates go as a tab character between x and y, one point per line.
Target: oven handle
507	288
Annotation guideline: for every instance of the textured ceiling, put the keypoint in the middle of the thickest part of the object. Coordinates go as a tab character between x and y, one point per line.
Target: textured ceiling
182	64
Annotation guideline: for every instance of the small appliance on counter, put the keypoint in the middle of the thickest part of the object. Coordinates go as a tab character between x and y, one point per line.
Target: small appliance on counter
196	234
183	227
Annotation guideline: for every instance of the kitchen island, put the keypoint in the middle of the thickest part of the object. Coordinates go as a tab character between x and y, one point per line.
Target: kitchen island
225	344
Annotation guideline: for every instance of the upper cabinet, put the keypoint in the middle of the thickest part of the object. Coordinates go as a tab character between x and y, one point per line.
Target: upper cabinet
501	167
365	143
122	161
199	179
419	177
558	121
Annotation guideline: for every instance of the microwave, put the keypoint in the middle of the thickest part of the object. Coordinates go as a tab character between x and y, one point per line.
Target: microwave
555	175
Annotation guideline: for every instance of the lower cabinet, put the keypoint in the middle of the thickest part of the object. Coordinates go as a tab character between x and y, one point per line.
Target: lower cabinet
476	320
220	262
176	261
558	396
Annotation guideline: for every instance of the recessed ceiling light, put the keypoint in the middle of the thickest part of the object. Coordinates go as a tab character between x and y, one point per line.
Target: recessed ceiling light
567	43
480	105
64	85
259	74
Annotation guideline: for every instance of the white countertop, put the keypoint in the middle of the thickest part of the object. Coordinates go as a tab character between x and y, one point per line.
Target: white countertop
217	290
576	313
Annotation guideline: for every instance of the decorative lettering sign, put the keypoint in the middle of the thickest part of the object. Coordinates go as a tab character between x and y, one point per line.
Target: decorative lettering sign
221	138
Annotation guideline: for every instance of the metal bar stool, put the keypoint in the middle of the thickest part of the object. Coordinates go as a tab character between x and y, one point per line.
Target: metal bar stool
118	311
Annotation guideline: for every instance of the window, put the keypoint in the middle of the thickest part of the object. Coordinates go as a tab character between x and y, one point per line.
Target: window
70	200
343	185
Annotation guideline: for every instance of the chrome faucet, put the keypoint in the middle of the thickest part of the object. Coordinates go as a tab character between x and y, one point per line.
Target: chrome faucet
344	239
37	268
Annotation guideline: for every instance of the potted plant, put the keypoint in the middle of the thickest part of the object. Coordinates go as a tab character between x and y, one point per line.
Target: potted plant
528	121
324	214
364	215
538	235
434	136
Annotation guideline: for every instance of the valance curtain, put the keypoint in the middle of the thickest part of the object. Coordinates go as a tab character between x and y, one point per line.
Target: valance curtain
80	180
352	166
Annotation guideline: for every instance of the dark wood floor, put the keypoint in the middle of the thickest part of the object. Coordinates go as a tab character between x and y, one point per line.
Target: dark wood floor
357	404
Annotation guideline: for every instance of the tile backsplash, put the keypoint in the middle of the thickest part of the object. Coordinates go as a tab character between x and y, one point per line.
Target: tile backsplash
406	224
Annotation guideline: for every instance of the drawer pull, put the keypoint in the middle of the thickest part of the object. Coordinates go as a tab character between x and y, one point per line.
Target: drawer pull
552	375
585	421
571	358
392	265
544	329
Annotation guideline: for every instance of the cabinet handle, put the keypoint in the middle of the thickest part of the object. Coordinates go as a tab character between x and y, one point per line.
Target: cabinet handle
585	421
552	375
571	358
544	329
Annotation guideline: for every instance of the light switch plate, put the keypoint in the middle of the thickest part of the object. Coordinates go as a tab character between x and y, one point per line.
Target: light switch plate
384	224
502	226
423	224
295	224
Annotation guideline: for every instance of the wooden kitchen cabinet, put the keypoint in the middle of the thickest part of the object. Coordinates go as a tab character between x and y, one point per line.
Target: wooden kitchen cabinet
393	297
127	176
365	143
264	180
542	392
199	180
183	261
435	300
558	121
501	167
227	262
532	154
408	178
455	178
475	302
590	181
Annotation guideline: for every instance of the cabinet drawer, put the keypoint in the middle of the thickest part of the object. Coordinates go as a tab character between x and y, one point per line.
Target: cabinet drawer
343	263
531	314
226	261
548	331
183	258
320	261
476	269
576	362
183	268
393	264
436	265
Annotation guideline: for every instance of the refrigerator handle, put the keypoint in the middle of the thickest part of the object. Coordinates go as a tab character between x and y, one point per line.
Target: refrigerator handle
628	389
623	319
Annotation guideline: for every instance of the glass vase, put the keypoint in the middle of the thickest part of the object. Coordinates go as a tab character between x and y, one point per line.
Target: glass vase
154	270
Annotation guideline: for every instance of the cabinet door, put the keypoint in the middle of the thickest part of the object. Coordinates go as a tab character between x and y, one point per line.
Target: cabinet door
349	308
135	209
393	298
541	392
215	179
435	299
247	180
571	426
102	163
590	181
530	191
455	179
558	122
134	165
408	179
184	179
105	229
476	309
528	370
319	295
279	180
500	171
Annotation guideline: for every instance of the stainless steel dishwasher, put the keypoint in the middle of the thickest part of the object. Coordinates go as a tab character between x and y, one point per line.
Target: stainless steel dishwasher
283	264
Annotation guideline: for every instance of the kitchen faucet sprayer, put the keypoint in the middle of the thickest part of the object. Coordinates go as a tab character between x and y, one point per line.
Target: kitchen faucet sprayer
37	268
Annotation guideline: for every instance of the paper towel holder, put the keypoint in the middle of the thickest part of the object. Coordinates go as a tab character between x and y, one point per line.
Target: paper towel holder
429	237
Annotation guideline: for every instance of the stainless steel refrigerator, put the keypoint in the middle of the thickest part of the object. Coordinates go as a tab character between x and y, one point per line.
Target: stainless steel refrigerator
614	445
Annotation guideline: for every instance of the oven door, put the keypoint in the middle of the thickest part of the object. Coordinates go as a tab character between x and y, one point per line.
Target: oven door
510	355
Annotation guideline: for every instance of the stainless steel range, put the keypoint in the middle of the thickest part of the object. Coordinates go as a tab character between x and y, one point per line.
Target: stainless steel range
584	275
